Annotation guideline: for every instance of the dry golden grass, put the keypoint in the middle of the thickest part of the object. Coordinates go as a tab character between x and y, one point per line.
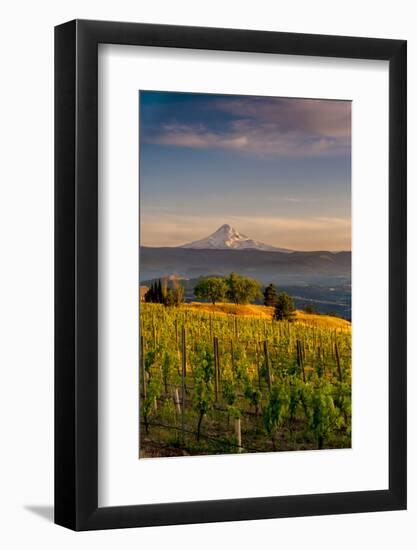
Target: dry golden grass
325	321
263	312
224	308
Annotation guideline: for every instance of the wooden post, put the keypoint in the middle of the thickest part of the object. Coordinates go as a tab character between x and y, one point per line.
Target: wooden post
183	353
238	435
267	364
339	370
154	330
176	331
183	374
236	329
142	367
258	351
232	353
216	370
300	359
176	399
219	377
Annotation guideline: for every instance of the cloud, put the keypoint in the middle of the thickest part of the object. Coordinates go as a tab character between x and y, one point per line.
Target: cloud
327	118
198	138
263	126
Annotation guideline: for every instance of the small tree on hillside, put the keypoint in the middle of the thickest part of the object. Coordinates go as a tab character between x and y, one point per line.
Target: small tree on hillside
159	293
242	290
284	307
177	292
156	293
162	291
149	294
152	294
211	288
270	295
310	309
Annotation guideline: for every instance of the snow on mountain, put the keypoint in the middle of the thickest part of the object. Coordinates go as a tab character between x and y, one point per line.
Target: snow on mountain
227	238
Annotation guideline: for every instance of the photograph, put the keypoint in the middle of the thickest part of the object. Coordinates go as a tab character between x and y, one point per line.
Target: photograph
208	334
245	274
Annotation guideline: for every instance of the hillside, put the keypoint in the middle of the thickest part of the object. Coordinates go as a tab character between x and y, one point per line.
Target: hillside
263	312
221	379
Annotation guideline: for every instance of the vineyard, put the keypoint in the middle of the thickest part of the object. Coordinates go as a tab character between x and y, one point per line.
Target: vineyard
217	380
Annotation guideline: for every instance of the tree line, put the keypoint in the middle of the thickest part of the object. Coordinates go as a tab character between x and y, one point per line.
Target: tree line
160	293
244	290
234	288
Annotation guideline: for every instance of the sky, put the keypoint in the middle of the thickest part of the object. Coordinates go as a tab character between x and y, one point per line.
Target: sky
276	169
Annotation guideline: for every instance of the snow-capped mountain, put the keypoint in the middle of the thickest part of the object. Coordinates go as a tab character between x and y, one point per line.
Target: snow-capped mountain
227	238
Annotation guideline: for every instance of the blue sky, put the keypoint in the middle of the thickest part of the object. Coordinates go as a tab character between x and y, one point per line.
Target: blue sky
277	169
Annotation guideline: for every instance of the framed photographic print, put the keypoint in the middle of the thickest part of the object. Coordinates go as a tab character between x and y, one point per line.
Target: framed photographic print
230	275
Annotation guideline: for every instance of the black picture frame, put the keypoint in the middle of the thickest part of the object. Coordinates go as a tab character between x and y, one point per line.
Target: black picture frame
76	272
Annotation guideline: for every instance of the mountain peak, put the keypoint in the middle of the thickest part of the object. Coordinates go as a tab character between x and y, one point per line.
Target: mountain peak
226	228
229	231
227	237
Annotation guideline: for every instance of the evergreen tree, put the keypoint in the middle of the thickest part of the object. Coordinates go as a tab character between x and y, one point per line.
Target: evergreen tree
270	295
284	307
149	295
159	293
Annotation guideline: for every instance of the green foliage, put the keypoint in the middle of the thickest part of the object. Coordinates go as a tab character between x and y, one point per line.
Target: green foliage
159	293
174	296
148	402
242	290
150	357
235	412
211	288
324	417
154	293
276	409
203	397
252	395
270	295
333	314
236	288
204	363
292	414
168	361
229	391
295	392
242	366
343	399
310	309
284	307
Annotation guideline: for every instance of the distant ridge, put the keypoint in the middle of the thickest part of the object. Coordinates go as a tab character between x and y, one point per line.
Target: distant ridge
267	266
227	238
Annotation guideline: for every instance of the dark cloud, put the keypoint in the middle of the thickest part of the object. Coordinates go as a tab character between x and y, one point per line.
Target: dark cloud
268	126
